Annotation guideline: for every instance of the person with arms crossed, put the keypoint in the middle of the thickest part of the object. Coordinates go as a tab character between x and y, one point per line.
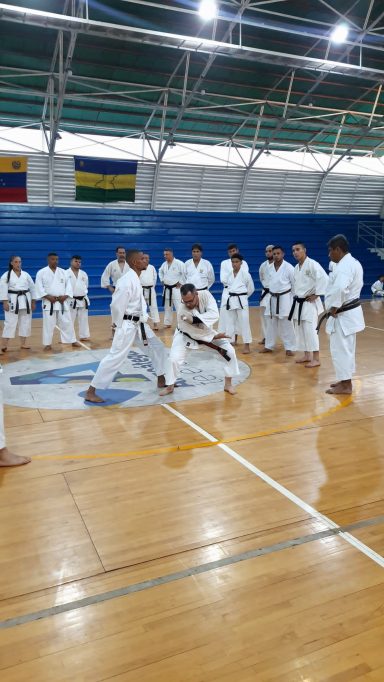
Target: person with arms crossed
226	270
17	292
264	272
53	287
129	313
79	303
310	282
344	313
199	271
172	276
196	316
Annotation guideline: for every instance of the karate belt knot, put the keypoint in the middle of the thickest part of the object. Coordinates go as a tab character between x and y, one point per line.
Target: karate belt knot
350	305
222	351
80	298
136	318
53	303
264	293
242	293
24	292
277	296
167	288
148	287
300	301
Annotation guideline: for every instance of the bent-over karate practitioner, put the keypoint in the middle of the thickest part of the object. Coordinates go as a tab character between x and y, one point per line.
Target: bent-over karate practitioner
240	287
226	270
53	287
114	270
172	276
344	313
17	292
280	303
264	272
79	302
199	271
148	279
129	313
8	458
310	282
377	287
196	316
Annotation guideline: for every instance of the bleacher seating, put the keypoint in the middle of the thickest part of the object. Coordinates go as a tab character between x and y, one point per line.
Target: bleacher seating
31	232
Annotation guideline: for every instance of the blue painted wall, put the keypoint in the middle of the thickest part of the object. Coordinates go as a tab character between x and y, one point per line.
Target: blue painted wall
32	232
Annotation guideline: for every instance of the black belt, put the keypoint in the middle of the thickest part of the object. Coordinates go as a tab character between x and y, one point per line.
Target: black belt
80	298
300	301
351	305
53	303
222	351
281	293
136	318
148	287
243	293
168	287
264	293
20	293
202	289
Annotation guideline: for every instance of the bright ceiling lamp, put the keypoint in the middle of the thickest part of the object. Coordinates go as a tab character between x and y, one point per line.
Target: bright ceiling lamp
339	33
208	9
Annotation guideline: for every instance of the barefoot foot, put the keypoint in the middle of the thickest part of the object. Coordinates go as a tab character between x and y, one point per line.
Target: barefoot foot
167	390
9	459
301	361
265	350
312	363
230	389
161	381
289	353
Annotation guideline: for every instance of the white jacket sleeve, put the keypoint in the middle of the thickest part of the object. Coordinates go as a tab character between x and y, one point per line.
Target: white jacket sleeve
105	281
211	276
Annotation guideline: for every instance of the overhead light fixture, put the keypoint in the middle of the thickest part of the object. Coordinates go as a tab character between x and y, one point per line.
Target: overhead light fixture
208	10
340	33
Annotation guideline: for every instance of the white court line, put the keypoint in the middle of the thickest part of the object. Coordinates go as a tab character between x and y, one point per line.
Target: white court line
378	329
281	489
80	342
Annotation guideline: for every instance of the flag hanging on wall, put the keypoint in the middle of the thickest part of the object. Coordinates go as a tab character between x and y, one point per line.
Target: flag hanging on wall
104	180
13	179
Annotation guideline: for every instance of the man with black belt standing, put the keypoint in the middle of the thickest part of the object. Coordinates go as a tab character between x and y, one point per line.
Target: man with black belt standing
264	272
199	271
171	275
280	291
79	303
344	313
310	282
148	279
129	313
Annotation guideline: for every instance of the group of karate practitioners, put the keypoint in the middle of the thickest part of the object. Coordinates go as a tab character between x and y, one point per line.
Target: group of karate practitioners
290	301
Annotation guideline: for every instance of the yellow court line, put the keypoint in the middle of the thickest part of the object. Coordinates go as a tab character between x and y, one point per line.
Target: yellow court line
209	444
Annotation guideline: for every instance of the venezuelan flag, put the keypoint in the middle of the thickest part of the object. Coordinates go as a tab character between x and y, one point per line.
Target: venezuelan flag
13	179
105	180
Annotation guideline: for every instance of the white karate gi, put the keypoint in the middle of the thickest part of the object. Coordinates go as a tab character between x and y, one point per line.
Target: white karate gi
344	285
148	278
2	431
55	283
171	275
113	272
264	273
377	288
208	313
128	299
201	275
11	319
237	316
309	278
279	281
226	271
79	308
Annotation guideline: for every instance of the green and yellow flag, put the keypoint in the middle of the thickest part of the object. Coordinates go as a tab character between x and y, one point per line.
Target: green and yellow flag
104	180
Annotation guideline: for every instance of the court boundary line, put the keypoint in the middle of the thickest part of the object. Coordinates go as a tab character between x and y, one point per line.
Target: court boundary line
298	501
199	569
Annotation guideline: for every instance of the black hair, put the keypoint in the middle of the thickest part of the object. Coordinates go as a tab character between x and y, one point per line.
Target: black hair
77	257
131	253
120	247
232	246
299	244
339	241
278	247
187	288
10	267
238	256
52	253
197	246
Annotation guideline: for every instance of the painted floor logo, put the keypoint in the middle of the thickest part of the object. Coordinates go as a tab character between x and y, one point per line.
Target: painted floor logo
59	382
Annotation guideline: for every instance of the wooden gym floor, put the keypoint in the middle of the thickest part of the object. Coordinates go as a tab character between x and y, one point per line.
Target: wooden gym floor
235	539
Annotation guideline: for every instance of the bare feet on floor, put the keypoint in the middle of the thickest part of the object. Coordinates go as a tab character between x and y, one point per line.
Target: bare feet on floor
340	388
230	389
246	349
312	363
265	350
91	397
9	459
47	348
25	347
76	344
289	353
161	381
301	361
167	390
262	342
